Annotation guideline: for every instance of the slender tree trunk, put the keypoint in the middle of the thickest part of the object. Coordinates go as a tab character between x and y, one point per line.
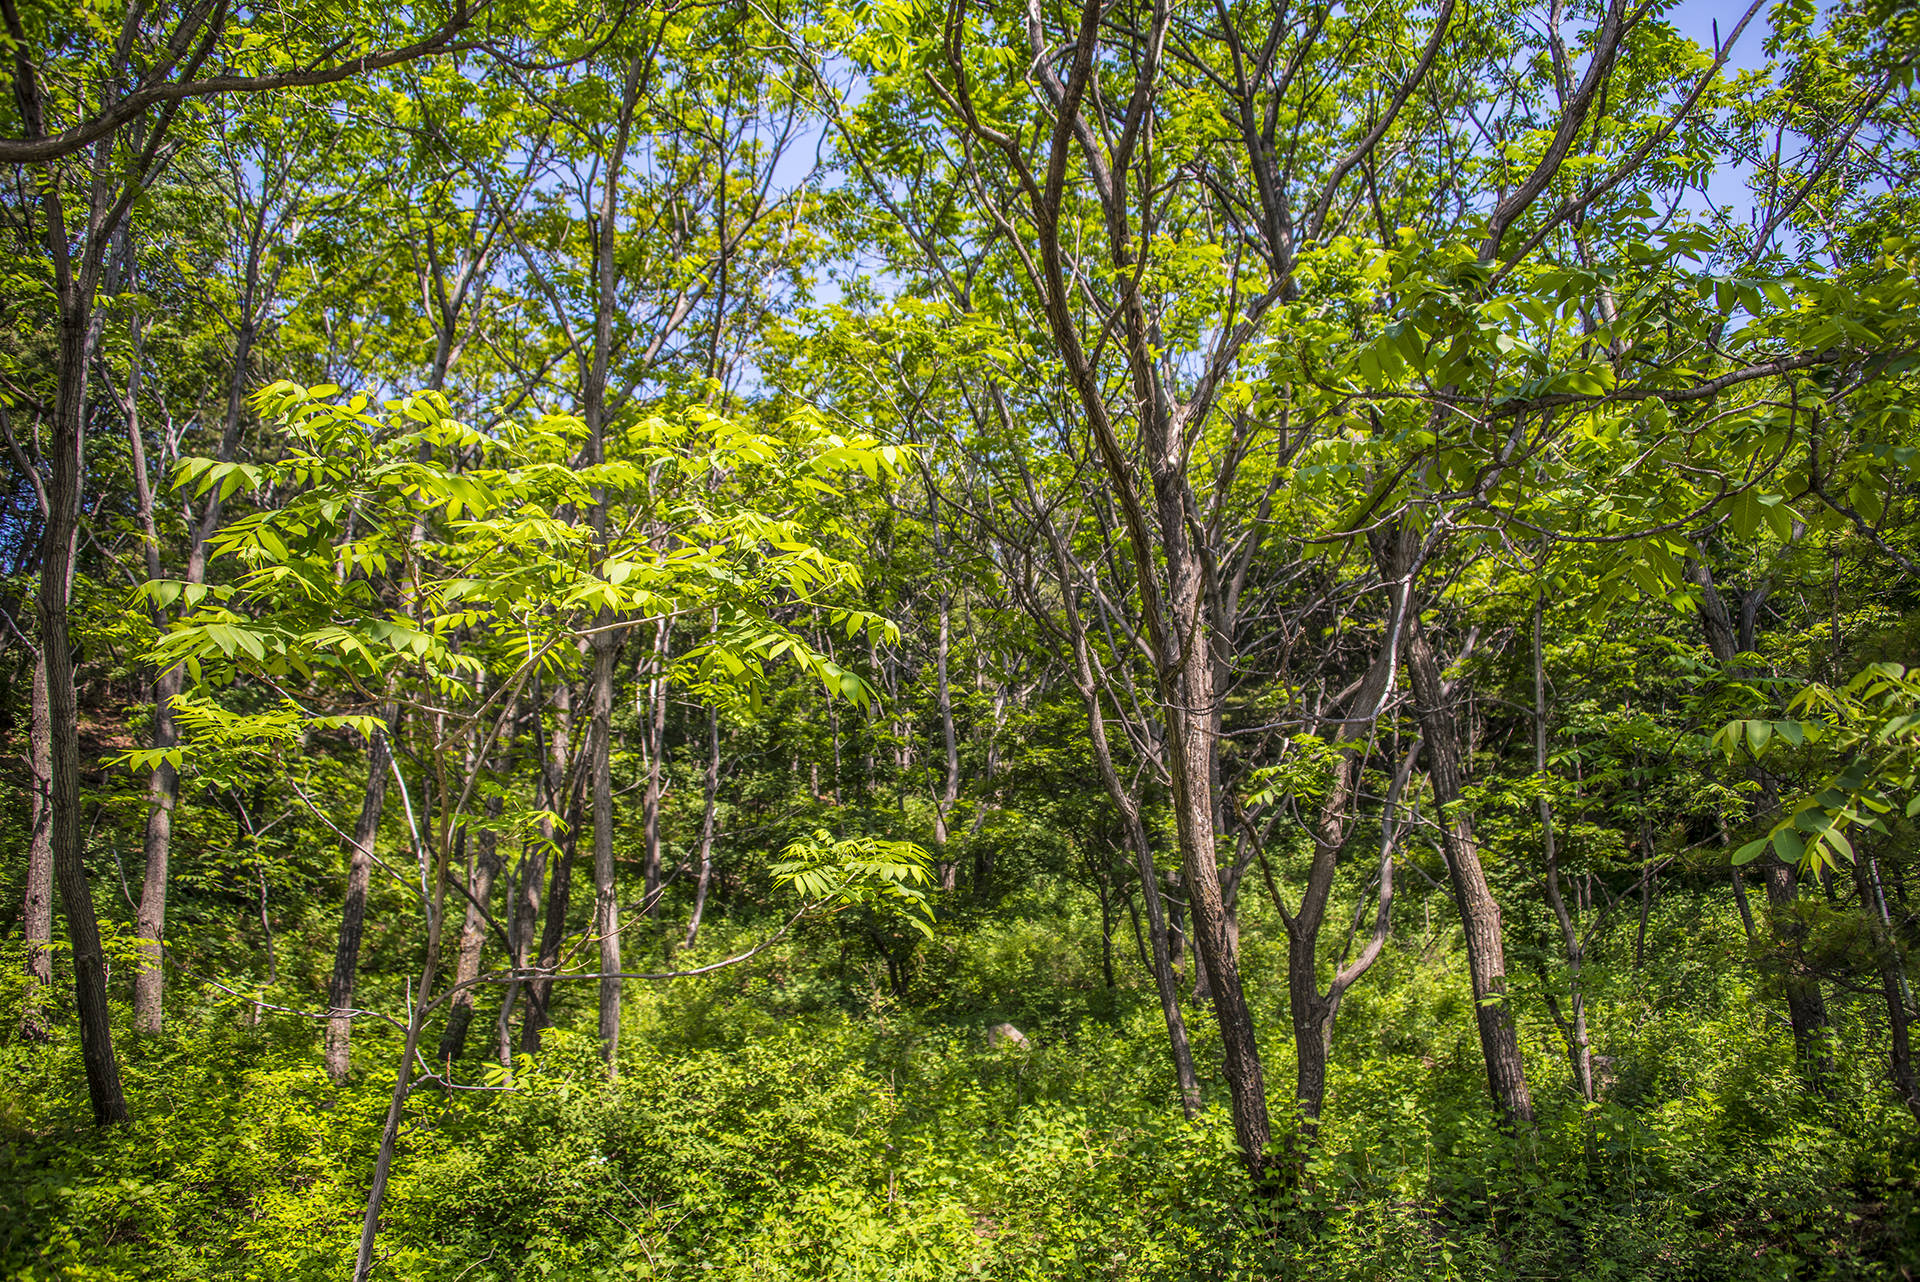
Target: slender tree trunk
353	909
162	790
1806	1007
949	870
1893	981
552	933
656	749
1479	910
37	911
1187	690
473	939
1579	1051
555	749
163	785
593	396
708	808
1165	981
63	715
606	902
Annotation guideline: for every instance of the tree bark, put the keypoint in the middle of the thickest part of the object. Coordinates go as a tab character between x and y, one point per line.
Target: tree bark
553	932
473	939
1579	1050
1479	910
353	909
950	787
37	911
1806	1006
1313	1011
656	749
606	903
707	812
63	715
1889	961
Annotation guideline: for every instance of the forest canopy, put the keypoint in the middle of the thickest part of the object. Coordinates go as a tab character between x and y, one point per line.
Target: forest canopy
899	640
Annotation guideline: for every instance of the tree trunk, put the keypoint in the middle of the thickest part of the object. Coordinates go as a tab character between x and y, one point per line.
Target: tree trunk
1165	981
63	718
1479	911
163	786
473	939
1893	981
37	911
151	923
1579	1051
656	749
606	903
707	812
1806	1007
353	910
552	933
556	751
950	786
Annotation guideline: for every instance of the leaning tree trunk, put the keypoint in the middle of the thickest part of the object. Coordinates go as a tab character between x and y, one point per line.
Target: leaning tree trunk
1479	910
353	910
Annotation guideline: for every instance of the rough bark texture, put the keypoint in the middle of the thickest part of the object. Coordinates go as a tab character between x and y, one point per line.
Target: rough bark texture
36	915
353	908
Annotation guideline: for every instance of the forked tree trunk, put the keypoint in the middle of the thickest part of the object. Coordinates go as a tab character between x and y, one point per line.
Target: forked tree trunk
552	934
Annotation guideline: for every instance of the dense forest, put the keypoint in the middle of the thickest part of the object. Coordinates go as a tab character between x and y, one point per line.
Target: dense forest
908	640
